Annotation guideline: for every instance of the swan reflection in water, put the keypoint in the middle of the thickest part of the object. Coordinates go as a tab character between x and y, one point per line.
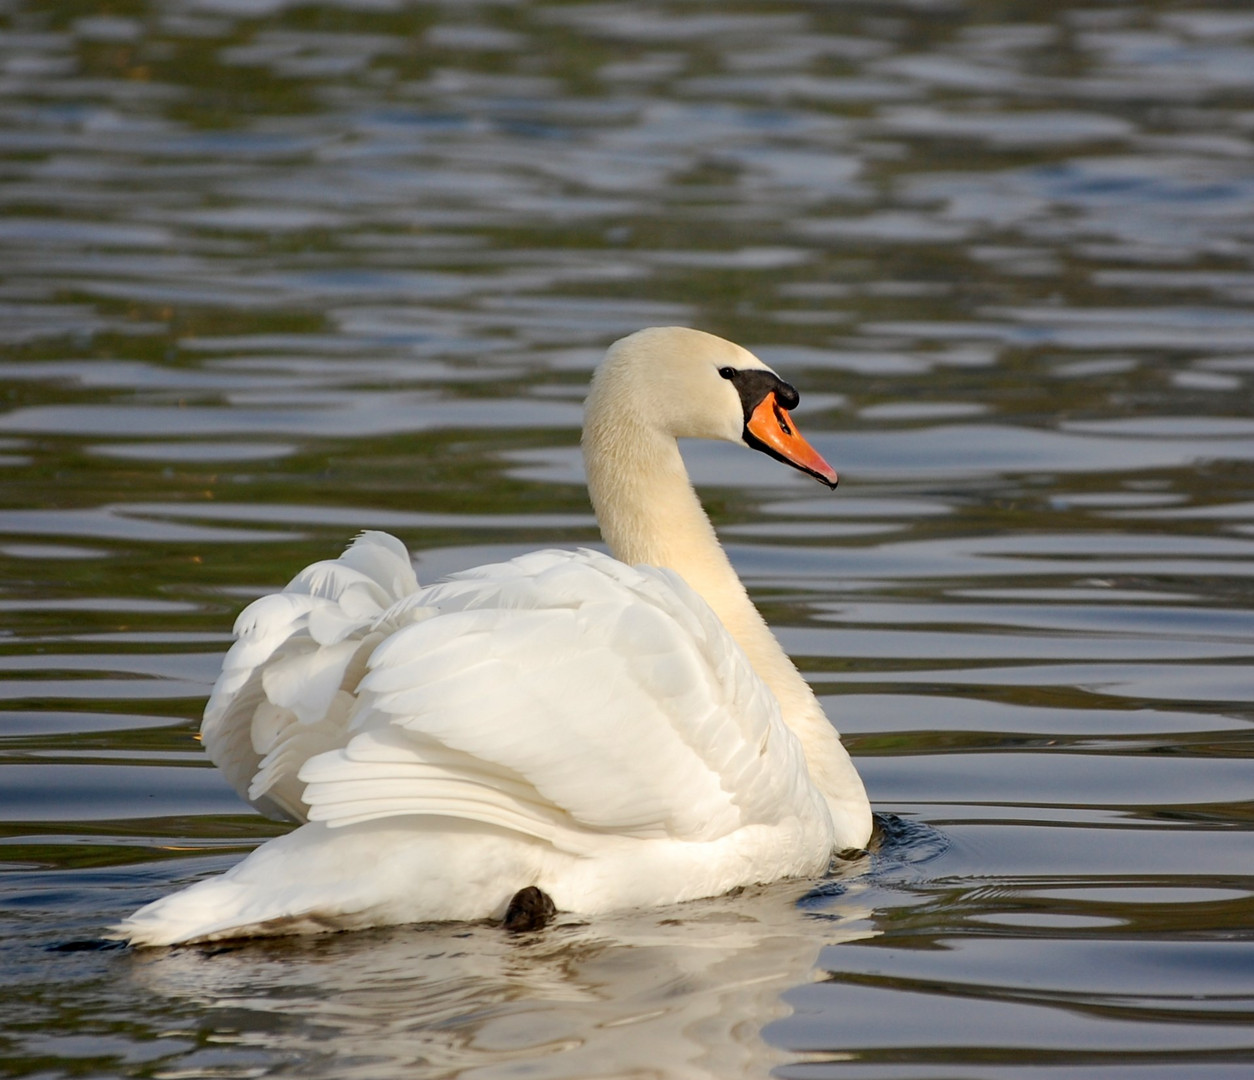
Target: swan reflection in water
682	991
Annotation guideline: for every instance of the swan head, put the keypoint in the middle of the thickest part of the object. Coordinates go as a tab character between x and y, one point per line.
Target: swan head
689	384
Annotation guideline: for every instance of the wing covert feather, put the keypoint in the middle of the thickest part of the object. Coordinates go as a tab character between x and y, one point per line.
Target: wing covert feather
561	695
577	697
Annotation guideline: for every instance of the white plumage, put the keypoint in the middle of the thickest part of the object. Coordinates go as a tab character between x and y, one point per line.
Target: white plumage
565	720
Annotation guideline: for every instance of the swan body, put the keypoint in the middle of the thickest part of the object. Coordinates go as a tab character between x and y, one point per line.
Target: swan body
618	732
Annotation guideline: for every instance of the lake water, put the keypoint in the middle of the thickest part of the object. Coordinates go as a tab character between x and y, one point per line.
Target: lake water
271	273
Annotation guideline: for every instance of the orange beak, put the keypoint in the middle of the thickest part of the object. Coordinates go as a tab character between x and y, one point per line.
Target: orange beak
771	430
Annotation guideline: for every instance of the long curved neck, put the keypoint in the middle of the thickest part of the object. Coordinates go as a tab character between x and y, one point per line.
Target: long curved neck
649	513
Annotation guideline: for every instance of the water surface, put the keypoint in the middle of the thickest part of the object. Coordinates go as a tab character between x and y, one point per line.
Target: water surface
272	273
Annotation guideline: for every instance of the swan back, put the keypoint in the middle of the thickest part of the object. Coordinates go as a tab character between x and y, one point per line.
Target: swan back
562	696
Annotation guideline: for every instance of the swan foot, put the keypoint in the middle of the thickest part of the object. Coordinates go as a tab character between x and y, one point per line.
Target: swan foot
530	909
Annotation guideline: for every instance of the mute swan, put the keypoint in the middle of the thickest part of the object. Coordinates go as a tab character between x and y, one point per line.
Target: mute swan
564	729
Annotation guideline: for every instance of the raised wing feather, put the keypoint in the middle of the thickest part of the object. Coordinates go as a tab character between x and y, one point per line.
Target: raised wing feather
288	683
565	696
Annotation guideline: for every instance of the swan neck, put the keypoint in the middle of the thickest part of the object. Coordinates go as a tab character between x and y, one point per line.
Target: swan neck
649	513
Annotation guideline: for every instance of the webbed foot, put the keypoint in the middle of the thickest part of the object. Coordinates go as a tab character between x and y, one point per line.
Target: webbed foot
530	909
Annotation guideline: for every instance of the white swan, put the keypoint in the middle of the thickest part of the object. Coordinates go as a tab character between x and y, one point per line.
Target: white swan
612	732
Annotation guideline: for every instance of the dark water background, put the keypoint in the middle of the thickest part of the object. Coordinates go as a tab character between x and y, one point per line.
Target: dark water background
274	272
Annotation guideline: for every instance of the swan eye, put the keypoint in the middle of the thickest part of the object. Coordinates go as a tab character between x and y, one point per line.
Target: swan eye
727	373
